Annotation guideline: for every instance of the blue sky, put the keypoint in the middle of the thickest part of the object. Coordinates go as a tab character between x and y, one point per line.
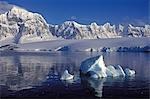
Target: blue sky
87	11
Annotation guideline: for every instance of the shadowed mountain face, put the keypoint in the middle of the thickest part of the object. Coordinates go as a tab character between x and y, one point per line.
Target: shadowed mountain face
23	26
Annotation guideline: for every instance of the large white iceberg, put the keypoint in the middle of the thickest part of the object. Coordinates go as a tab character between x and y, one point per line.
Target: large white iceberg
96	68
66	76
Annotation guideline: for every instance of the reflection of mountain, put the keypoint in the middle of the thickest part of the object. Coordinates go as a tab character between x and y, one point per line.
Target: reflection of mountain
18	74
22	75
24	71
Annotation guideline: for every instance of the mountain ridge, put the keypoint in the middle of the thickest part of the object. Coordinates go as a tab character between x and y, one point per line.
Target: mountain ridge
23	26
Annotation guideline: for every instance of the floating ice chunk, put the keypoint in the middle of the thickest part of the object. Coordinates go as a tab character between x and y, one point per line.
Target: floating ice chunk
111	71
120	70
129	72
97	69
66	76
37	49
85	65
95	65
114	71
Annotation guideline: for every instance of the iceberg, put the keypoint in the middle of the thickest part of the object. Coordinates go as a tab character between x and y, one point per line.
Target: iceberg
95	68
111	71
66	76
99	67
95	65
120	70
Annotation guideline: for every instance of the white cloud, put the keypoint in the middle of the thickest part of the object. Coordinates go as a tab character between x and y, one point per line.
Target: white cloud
4	7
137	21
73	17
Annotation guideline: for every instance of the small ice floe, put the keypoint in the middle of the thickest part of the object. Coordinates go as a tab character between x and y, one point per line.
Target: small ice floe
129	72
66	76
37	49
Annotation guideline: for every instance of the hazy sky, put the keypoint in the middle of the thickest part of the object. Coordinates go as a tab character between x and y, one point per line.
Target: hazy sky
86	11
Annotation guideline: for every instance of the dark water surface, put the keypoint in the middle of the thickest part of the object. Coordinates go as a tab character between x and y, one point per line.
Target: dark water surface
37	75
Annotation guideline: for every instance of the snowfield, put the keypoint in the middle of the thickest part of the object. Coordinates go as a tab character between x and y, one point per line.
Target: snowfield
109	44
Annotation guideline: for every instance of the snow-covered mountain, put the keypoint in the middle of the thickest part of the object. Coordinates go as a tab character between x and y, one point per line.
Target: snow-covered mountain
139	31
21	26
74	30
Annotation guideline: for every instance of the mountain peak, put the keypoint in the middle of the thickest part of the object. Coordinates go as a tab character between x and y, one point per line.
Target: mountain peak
23	26
16	9
94	24
72	23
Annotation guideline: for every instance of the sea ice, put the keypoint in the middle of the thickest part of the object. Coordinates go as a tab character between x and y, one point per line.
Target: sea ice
66	76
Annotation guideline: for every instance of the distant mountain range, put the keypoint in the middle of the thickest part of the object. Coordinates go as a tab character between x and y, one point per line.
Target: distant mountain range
22	26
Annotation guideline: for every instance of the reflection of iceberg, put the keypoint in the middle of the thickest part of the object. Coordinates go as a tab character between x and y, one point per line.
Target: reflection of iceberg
96	68
97	85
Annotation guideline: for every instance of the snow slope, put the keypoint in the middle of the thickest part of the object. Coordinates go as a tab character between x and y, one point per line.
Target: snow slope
83	45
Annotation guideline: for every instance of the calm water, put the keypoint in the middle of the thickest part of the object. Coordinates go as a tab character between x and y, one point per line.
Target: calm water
37	75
